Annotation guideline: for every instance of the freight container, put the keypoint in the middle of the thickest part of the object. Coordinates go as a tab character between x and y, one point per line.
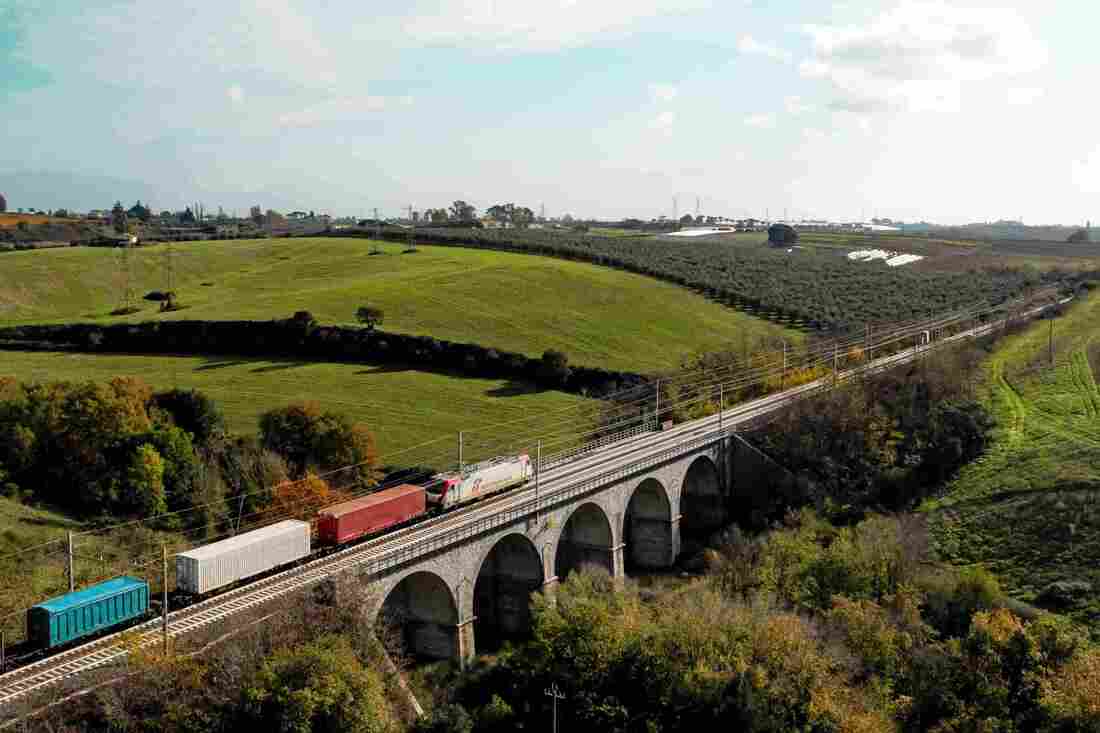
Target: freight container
221	563
348	520
81	613
477	480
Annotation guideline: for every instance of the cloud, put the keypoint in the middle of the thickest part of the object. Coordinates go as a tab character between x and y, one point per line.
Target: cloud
662	92
795	106
536	25
920	56
1085	173
338	109
1023	96
761	121
748	45
663	121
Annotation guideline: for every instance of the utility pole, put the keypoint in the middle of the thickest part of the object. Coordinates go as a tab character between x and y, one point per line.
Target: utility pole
657	409
377	232
164	597
836	361
783	374
553	692
538	472
412	231
72	575
721	405
1051	342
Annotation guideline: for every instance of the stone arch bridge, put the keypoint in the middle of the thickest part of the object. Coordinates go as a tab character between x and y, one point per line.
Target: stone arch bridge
468	596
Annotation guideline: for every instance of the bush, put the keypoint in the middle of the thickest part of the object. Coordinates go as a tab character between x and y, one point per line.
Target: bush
322	686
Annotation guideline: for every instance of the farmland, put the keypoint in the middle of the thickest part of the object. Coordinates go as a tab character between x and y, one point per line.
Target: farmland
1029	510
595	315
402	407
814	286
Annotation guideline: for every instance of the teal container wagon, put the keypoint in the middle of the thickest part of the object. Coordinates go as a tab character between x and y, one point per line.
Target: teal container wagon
75	615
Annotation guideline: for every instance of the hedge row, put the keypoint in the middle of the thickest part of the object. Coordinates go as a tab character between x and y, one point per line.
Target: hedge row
304	338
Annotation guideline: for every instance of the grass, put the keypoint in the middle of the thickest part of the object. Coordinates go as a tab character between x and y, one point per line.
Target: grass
39	570
597	316
1029	509
403	408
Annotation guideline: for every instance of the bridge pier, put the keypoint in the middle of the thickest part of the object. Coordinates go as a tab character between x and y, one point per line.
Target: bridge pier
465	648
653	543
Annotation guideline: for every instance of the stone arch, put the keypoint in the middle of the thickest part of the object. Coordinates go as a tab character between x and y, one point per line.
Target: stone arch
586	539
647	527
423	607
702	500
507	576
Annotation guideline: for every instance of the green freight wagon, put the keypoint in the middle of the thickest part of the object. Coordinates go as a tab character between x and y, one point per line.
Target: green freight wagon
75	615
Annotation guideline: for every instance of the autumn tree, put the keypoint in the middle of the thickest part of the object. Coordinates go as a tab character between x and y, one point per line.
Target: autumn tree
144	483
370	316
322	686
309	438
302	498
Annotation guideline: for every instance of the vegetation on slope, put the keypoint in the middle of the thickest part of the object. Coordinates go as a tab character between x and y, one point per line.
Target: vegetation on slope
506	301
812	287
808	628
404	408
1029	509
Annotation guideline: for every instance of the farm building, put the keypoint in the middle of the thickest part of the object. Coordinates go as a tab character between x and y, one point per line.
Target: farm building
780	235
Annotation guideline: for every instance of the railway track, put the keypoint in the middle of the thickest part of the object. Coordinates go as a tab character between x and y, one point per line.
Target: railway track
581	474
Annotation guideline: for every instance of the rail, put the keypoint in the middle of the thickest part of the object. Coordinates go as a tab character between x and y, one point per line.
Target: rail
409	544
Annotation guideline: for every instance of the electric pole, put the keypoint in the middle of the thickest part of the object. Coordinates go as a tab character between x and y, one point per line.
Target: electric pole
412	231
377	232
164	597
72	575
460	451
553	692
538	472
1052	342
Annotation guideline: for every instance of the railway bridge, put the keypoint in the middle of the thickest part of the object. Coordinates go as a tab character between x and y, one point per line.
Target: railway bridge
471	595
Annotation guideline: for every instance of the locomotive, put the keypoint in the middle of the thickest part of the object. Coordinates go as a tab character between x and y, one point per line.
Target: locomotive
207	569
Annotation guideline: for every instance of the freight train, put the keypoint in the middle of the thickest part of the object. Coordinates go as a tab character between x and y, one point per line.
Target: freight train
207	569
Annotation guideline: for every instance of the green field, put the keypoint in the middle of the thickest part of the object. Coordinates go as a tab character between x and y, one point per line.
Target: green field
597	316
404	408
1029	509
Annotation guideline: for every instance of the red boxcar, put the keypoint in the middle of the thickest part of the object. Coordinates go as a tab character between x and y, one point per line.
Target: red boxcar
348	520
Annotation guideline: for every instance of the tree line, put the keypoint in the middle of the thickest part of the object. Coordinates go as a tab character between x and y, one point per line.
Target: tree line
118	449
302	337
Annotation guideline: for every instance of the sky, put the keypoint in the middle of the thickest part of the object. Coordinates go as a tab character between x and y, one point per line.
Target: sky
938	111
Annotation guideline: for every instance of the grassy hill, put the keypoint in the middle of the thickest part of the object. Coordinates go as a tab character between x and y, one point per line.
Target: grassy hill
598	316
1029	510
403	407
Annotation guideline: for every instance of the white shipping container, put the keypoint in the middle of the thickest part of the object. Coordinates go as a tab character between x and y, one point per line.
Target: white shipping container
218	564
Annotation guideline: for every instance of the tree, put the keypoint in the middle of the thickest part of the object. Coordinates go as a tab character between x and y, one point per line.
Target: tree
370	316
140	212
687	219
501	212
144	492
522	216
554	367
118	218
437	216
188	216
462	211
1078	237
321	686
302	498
310	439
3	204
194	412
